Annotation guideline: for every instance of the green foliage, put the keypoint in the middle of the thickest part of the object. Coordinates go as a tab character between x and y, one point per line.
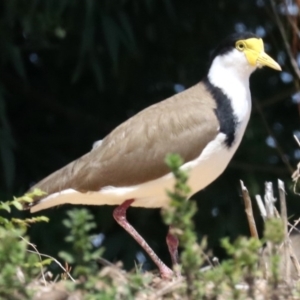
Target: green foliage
18	204
14	262
106	284
235	278
274	236
274	231
244	252
80	222
179	214
18	266
244	267
112	285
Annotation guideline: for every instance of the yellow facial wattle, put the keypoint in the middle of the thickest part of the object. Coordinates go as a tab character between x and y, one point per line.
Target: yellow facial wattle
255	53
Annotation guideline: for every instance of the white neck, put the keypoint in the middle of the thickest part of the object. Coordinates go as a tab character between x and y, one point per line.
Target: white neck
231	74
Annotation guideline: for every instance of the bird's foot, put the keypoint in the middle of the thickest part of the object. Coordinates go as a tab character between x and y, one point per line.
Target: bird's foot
165	272
172	242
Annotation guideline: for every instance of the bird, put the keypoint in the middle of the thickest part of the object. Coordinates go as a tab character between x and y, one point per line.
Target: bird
204	124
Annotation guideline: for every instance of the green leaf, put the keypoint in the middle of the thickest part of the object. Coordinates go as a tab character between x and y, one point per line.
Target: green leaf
44	262
41	219
5	206
38	192
66	256
26	199
17	205
3	220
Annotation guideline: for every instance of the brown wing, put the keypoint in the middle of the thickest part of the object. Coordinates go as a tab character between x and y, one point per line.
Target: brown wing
134	152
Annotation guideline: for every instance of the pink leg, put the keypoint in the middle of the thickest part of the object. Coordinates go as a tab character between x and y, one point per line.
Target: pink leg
172	243
120	216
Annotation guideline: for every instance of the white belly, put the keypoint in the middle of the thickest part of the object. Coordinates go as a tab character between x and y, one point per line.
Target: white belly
203	170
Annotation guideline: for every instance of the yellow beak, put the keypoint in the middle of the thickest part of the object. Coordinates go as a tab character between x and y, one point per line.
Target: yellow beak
255	53
264	59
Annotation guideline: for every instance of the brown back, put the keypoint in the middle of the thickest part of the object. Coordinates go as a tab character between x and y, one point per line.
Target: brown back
134	152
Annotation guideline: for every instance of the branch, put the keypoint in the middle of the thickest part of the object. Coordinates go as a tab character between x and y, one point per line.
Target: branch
258	168
280	96
285	41
270	132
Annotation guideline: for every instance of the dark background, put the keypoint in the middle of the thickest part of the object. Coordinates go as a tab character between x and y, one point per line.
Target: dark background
70	71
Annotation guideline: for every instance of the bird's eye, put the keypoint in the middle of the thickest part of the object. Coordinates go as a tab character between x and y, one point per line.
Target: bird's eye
240	46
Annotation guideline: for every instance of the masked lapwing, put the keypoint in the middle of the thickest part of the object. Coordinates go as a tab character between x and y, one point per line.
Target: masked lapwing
203	124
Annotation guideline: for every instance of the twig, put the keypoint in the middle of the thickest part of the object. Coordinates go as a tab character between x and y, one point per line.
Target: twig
263	213
296	174
169	287
105	262
285	41
45	255
270	132
261	207
280	171
280	96
249	211
284	218
39	255
294	259
293	227
269	199
297	140
290	20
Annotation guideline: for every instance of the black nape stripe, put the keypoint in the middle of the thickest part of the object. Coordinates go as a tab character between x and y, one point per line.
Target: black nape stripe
224	112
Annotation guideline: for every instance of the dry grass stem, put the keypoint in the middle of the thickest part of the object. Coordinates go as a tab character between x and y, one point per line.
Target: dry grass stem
261	207
296	174
170	287
45	255
284	218
294	259
249	211
293	227
39	255
269	200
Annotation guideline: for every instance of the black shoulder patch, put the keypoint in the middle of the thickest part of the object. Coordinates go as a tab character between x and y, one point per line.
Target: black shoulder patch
224	112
